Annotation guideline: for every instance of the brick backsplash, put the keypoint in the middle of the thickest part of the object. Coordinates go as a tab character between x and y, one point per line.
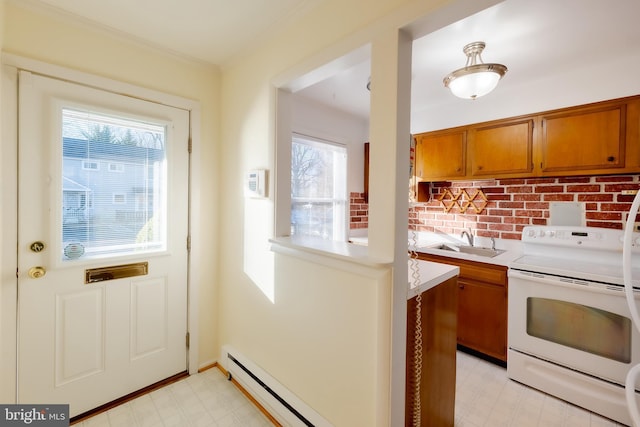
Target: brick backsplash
513	204
359	211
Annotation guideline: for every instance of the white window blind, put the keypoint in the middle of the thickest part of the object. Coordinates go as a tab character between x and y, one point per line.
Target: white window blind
106	213
318	188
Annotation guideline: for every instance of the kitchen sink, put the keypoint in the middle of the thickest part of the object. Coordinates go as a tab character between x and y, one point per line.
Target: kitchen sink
473	250
447	247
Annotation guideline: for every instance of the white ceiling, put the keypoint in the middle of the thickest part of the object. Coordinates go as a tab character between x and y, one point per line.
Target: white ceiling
532	38
211	31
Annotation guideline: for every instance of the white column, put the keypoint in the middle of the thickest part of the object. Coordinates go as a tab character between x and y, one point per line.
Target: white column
388	189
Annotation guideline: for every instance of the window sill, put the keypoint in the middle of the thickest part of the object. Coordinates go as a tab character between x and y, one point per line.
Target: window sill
343	255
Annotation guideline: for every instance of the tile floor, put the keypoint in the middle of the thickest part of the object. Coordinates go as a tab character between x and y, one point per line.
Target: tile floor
203	400
485	397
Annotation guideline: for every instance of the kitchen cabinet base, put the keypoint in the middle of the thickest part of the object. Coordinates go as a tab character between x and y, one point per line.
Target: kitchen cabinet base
437	385
482	356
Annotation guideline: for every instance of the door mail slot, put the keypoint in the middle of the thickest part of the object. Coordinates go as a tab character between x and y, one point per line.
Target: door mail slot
101	274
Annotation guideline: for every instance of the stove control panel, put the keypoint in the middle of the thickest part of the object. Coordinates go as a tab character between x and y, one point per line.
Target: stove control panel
583	237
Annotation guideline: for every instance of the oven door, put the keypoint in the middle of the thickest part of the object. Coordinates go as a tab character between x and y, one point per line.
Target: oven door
581	325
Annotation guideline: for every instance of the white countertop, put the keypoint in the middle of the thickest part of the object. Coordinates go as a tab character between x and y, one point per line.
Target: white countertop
329	248
430	274
427	243
505	258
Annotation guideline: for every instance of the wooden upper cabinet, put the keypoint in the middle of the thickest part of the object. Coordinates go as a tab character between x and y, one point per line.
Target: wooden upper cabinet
584	139
592	139
505	148
441	155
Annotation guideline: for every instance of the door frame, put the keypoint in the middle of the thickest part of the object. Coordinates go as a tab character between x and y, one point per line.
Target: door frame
8	198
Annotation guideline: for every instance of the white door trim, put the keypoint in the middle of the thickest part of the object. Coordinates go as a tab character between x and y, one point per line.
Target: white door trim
8	218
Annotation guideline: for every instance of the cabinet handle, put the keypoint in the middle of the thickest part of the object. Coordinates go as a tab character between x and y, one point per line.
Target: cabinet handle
611	159
460	285
479	168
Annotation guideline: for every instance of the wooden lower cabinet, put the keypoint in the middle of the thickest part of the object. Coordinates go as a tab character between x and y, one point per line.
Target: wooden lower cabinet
482	313
438	379
482	306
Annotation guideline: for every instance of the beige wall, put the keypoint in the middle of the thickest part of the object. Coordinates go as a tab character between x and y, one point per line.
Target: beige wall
323	331
57	40
291	337
324	336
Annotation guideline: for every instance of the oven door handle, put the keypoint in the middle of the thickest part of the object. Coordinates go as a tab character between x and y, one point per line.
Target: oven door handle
568	282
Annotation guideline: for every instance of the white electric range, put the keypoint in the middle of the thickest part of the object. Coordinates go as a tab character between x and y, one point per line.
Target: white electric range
570	333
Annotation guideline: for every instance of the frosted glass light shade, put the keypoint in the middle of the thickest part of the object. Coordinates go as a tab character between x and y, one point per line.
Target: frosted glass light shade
473	82
476	78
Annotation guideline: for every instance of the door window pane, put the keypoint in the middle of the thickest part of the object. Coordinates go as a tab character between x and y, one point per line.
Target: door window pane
318	188
106	213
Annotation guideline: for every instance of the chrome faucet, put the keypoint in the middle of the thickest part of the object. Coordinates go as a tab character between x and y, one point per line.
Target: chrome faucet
469	235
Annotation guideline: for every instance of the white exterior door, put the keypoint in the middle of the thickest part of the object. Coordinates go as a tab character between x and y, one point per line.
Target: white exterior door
102	243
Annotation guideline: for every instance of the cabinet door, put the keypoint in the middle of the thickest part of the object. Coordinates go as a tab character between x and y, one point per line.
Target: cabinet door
441	155
482	314
584	139
501	149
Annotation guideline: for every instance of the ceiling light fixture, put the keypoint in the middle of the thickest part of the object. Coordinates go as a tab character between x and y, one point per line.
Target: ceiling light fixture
476	78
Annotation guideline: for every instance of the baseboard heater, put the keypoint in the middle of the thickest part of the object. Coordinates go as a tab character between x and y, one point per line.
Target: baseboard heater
283	405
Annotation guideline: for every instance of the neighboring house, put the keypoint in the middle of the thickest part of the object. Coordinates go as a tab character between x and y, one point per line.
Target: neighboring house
107	185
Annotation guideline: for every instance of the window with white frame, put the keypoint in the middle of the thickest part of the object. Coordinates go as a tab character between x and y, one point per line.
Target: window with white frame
116	167
90	165
318	188
119	198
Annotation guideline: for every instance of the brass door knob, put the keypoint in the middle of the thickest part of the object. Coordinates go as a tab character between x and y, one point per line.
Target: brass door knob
37	272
